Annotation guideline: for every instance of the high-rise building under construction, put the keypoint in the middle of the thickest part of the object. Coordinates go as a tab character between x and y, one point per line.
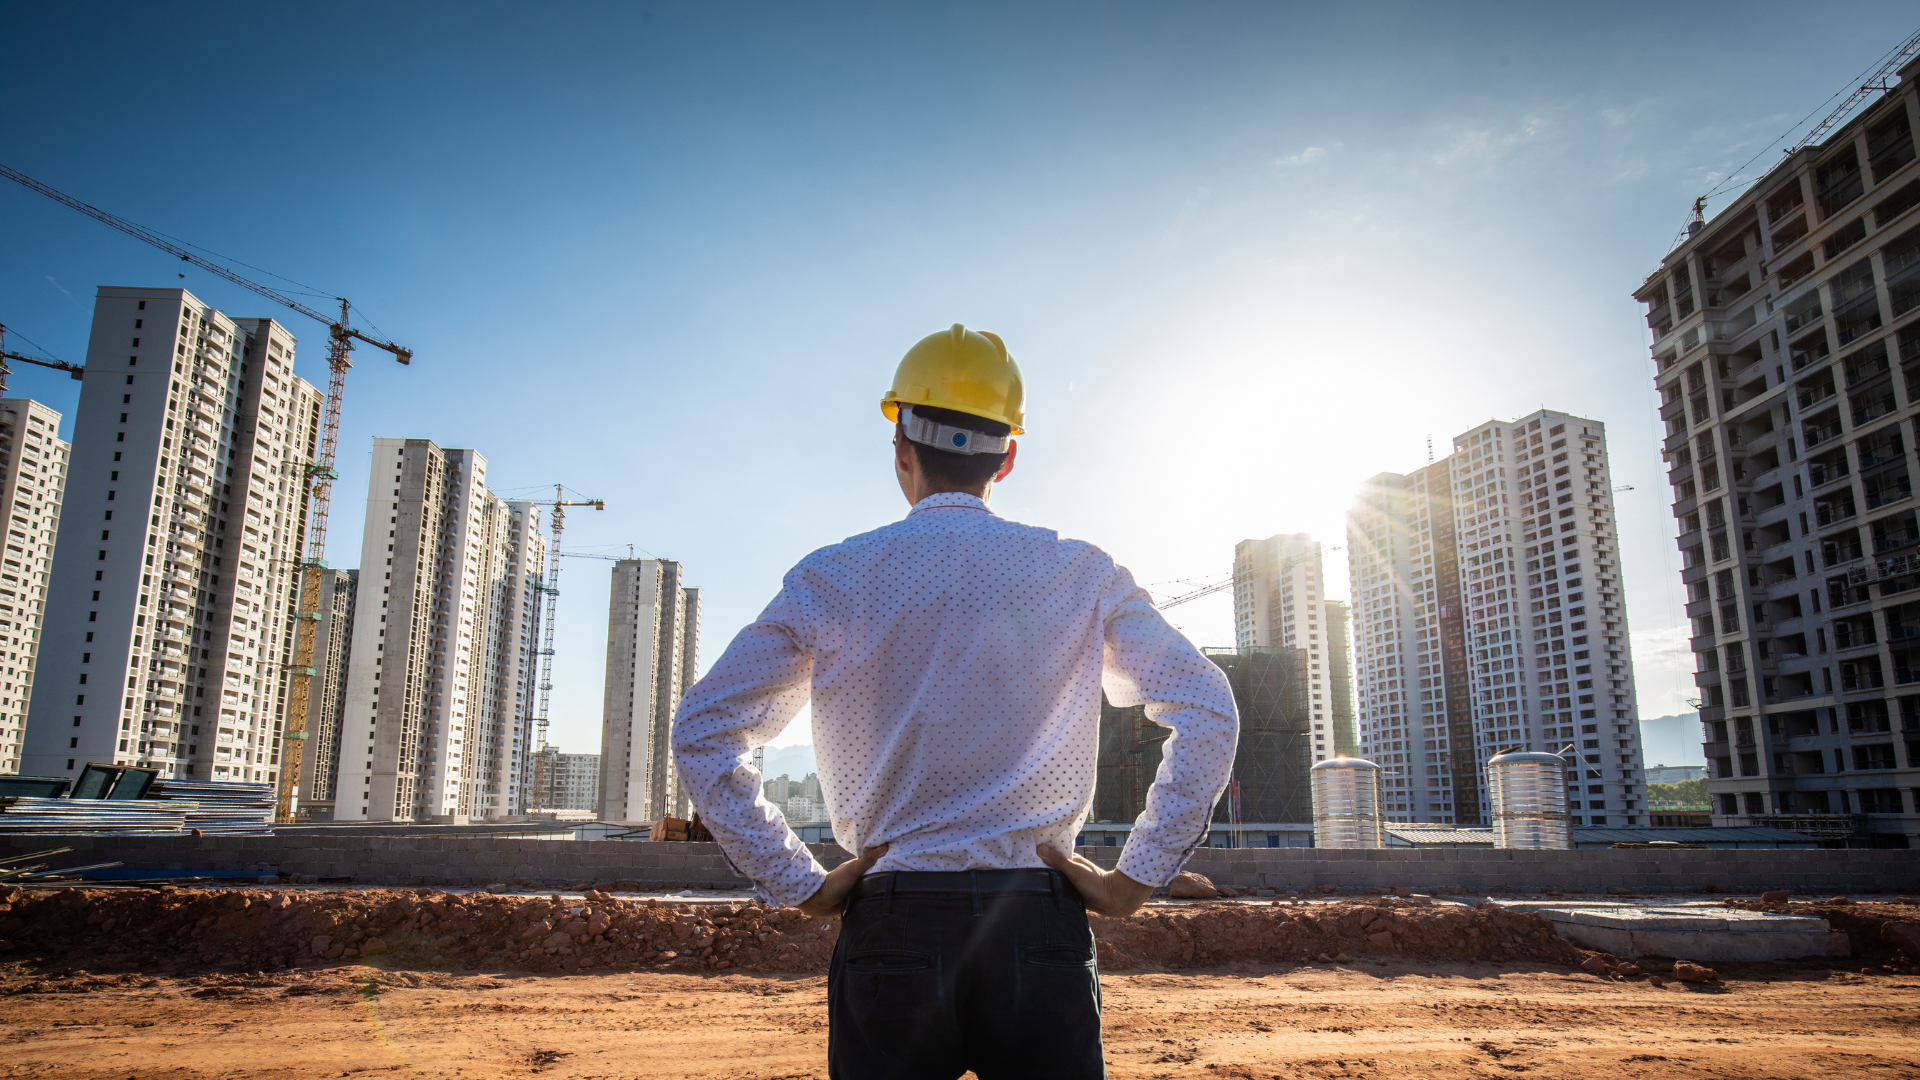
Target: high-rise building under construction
653	645
1489	615
169	628
1340	713
437	724
1786	349
1280	601
33	477
327	705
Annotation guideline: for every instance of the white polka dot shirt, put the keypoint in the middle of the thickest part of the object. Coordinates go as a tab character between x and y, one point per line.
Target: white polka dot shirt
955	662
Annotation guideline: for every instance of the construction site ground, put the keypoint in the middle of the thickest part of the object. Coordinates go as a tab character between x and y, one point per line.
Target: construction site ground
196	983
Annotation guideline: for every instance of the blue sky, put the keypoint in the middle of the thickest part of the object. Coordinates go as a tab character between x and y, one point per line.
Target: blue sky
667	254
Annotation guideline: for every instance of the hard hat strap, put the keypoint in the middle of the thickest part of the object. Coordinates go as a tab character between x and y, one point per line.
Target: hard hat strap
954	440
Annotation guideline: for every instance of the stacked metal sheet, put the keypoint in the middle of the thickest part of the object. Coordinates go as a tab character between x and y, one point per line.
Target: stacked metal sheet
27	814
222	809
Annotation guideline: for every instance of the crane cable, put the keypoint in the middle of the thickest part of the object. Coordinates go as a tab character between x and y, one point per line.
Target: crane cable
1862	85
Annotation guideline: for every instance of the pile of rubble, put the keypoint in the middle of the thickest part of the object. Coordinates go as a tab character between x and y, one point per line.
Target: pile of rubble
1376	928
1881	931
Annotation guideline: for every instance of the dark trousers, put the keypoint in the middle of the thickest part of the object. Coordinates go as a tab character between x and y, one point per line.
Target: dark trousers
999	978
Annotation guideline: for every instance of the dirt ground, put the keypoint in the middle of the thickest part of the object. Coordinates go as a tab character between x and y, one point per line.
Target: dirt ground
1297	1020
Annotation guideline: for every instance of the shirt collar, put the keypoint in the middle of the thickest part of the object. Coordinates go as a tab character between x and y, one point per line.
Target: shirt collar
949	498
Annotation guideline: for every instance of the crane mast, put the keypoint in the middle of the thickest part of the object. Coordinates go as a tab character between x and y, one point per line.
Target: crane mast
320	475
319	482
542	769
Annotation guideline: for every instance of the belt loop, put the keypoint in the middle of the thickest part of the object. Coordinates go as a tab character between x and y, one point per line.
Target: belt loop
1053	886
973	878
893	882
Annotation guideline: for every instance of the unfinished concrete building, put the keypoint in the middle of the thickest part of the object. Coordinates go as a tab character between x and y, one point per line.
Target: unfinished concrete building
570	781
1489	615
1271	761
1340	707
1280	602
332	650
1787	358
653	645
33	477
169	628
1270	784
442	664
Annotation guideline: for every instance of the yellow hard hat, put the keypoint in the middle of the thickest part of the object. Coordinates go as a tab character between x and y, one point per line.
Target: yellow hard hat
964	370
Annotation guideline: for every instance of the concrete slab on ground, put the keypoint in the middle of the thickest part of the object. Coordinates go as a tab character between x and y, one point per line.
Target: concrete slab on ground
1690	931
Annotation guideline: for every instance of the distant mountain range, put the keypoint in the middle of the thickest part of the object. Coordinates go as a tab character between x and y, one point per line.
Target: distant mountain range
795	762
1672	740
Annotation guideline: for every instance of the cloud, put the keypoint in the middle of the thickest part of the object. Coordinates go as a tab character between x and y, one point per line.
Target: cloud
1487	144
1309	156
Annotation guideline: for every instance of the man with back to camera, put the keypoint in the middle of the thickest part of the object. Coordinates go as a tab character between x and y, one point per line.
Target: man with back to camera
955	662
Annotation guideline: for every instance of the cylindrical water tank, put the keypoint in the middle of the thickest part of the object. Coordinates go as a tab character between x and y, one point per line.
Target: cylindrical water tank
1346	804
1529	796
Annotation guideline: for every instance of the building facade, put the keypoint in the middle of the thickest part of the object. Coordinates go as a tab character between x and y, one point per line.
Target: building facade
169	631
1489	615
332	651
1786	354
1269	784
1341	715
1280	602
572	781
653	643
33	478
436	724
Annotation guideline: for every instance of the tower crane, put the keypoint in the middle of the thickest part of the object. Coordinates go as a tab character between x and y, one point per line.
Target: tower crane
320	475
74	370
1222	586
560	503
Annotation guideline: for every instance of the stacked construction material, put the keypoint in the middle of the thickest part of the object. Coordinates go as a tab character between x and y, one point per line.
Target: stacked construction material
223	809
29	814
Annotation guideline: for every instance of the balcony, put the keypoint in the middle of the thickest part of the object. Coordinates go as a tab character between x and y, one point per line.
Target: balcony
1817	434
1871	407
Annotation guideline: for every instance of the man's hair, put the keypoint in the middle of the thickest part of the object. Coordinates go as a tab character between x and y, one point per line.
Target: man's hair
958	470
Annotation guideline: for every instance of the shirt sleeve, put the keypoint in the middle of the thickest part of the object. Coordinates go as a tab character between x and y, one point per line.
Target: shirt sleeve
748	697
1148	662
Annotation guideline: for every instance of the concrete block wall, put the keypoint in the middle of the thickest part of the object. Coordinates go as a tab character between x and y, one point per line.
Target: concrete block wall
1491	870
463	860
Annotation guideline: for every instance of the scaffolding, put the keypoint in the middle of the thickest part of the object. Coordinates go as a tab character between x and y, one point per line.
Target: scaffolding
1271	766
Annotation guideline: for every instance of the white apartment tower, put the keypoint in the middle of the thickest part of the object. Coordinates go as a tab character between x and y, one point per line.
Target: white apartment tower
436	724
653	642
33	476
1280	600
169	626
1488	615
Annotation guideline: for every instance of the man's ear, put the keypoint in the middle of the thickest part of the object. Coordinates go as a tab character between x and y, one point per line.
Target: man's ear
1013	451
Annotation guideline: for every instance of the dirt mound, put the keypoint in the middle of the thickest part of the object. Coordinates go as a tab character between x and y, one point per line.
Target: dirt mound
1877	931
422	929
264	929
1210	934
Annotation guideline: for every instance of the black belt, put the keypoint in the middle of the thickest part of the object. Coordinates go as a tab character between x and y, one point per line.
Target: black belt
965	883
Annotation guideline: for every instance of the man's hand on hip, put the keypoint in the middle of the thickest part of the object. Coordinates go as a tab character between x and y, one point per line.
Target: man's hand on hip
831	897
1108	892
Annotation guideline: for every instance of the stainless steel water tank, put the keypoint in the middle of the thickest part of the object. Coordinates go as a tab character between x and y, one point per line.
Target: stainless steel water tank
1346	804
1529	796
